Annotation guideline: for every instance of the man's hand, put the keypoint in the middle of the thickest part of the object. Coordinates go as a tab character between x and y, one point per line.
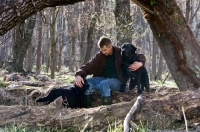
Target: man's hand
79	81
136	65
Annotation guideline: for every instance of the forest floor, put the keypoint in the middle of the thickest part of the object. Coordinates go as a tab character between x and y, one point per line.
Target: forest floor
13	91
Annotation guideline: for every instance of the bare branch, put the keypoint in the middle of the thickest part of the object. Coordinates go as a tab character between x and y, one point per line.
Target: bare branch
143	7
136	107
18	12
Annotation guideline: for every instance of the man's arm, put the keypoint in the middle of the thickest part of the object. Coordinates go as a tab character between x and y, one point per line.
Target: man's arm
137	64
142	58
87	69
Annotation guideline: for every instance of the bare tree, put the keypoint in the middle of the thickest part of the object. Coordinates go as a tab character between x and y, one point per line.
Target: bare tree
39	47
90	35
53	43
22	43
123	22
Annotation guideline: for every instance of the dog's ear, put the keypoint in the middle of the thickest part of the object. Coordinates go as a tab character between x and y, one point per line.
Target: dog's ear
134	48
124	45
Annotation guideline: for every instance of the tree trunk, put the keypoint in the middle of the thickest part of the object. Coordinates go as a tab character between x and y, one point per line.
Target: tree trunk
187	10
3	49
154	58
176	41
61	42
160	67
90	35
39	47
123	22
29	61
20	48
82	34
160	112
47	50
72	31
53	43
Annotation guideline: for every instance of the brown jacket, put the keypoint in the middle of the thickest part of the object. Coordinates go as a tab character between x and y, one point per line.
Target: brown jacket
95	65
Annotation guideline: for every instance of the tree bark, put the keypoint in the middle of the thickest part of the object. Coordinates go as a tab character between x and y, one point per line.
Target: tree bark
175	39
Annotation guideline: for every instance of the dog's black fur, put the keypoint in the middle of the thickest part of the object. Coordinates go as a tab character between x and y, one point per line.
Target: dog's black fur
73	96
138	77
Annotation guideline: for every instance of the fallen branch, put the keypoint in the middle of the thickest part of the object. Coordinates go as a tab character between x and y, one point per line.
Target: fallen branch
136	107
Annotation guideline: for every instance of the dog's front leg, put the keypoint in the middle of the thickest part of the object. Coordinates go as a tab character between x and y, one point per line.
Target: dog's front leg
133	83
139	82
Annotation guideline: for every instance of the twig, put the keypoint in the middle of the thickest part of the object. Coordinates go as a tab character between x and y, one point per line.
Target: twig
185	119
20	114
136	107
168	74
26	98
61	124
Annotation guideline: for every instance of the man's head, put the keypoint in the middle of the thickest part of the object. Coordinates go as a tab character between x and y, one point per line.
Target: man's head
105	45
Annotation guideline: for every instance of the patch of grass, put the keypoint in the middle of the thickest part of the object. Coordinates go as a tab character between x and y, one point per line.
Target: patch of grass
66	79
4	84
115	128
19	128
1	78
170	84
32	79
140	128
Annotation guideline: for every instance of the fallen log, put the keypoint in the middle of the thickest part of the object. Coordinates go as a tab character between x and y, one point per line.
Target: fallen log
158	113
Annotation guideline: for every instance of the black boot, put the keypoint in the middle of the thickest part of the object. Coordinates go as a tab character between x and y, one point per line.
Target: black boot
87	101
107	100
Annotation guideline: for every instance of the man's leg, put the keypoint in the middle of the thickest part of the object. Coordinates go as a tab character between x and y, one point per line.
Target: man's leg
106	86
94	83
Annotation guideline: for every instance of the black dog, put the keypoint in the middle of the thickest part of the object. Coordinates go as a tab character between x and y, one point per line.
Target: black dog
138	77
73	96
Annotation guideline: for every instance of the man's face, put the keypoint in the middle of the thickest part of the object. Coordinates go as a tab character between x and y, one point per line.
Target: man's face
107	50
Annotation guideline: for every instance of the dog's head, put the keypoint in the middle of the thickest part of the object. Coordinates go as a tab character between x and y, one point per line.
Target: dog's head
74	95
128	49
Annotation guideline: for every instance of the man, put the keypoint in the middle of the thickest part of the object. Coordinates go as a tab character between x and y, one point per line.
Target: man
105	67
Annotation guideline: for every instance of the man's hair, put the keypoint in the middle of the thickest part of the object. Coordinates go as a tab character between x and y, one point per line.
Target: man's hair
104	41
